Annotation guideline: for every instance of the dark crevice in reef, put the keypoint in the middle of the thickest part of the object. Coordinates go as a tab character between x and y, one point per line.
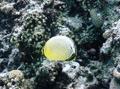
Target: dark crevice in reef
100	86
4	22
60	81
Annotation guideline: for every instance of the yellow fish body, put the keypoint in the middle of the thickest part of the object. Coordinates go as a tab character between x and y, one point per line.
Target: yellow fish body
59	48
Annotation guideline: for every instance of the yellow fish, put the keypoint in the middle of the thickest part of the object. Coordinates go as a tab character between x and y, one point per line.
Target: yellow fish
59	48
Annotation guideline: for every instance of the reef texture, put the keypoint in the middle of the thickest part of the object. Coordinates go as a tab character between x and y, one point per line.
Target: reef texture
25	26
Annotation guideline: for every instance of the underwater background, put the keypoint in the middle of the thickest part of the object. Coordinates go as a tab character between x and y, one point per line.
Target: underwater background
26	25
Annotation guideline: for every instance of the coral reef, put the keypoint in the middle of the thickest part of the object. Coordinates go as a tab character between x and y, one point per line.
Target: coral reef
25	26
13	80
33	35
